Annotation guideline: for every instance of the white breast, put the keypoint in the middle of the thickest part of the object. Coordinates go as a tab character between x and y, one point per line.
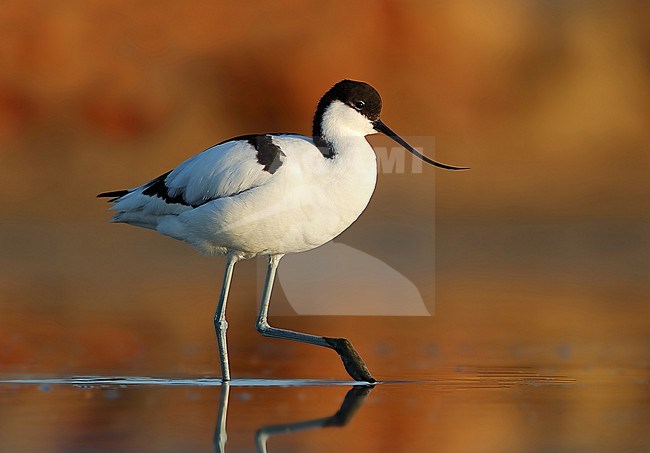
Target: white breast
309	201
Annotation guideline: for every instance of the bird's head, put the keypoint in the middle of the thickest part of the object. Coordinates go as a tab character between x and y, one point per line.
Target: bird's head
353	108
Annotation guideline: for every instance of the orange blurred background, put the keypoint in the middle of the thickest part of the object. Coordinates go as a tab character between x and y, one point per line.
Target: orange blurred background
548	233
542	250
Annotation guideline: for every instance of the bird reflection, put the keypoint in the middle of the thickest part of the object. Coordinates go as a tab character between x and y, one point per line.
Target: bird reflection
353	400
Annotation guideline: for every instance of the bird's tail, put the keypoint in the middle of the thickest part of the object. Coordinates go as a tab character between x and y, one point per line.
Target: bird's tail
114	195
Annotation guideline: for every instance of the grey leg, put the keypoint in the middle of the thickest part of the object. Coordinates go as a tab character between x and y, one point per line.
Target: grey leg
220	323
352	361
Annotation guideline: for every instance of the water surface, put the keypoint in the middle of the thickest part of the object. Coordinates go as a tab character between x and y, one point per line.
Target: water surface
478	410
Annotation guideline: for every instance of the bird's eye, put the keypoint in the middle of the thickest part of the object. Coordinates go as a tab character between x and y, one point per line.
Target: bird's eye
359	105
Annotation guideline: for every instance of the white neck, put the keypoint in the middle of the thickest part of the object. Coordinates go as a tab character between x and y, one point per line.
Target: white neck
340	123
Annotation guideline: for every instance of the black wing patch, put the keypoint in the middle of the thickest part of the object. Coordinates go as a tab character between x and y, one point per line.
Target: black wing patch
157	188
268	153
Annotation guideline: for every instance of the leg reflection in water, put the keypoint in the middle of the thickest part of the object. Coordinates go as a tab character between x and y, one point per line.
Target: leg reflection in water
220	435
353	400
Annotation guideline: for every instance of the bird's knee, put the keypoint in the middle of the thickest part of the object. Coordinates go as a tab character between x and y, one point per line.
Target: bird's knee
221	326
262	327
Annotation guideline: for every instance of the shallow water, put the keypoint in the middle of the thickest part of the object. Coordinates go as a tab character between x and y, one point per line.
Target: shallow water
477	410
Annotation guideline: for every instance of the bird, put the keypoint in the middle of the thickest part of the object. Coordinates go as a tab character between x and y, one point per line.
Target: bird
272	194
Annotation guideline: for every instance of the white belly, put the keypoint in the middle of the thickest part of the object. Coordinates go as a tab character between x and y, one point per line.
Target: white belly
307	203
